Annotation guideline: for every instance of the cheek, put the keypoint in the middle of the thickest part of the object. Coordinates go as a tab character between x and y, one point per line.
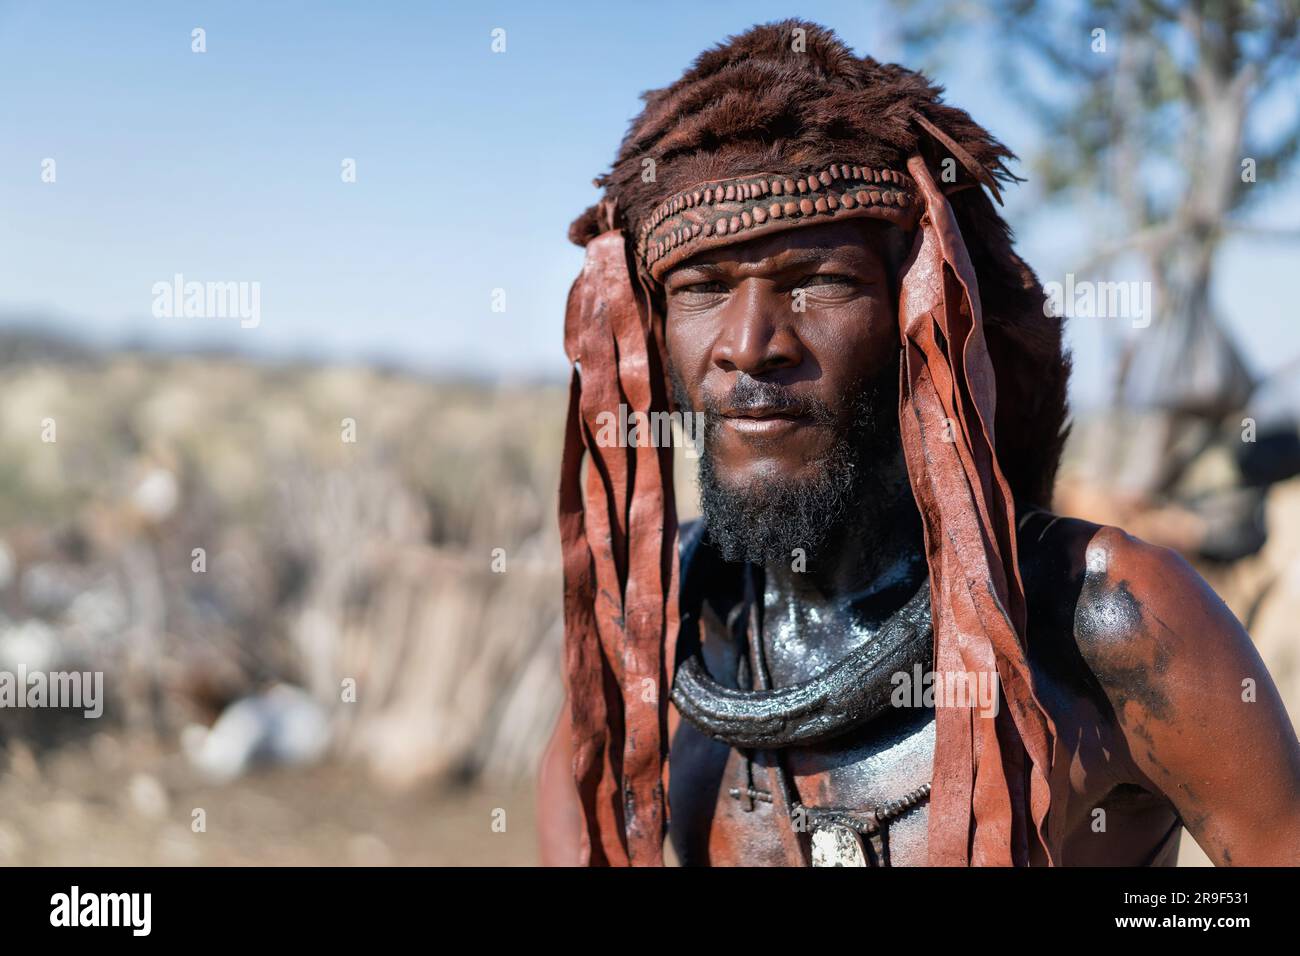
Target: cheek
852	339
688	345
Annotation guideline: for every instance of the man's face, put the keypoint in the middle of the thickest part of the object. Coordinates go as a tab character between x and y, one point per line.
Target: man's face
789	346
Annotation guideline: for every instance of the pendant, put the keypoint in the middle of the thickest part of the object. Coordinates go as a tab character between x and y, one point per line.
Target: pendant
836	845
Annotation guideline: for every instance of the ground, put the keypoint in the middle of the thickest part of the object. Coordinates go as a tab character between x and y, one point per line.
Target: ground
106	805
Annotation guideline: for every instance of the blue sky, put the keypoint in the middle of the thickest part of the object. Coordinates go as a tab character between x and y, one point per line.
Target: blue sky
226	166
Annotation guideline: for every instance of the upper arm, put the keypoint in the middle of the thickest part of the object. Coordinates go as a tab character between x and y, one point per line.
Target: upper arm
1200	713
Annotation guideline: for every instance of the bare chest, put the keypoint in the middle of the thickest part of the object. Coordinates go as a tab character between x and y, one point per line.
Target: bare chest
726	807
741	820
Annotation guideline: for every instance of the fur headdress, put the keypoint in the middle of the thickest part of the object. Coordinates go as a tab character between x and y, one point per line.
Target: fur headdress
776	128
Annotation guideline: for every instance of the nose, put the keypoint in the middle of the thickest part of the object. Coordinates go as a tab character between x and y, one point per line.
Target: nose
756	334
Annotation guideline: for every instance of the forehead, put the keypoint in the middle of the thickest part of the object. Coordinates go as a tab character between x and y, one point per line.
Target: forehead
856	241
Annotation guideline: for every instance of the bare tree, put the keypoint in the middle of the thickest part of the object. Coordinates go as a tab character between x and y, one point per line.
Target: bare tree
1167	119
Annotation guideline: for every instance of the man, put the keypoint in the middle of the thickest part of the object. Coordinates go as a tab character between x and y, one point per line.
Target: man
884	650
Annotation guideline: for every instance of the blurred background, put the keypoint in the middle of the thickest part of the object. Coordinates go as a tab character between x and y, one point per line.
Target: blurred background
313	549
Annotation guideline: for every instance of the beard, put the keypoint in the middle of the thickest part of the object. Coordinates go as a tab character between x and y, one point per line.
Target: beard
766	518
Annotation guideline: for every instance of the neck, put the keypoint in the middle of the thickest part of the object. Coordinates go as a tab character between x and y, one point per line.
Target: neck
880	549
851	585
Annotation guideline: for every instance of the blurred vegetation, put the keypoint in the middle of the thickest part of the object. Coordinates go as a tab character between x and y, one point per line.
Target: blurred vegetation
326	559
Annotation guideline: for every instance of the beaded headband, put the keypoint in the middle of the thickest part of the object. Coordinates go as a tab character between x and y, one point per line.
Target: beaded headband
735	210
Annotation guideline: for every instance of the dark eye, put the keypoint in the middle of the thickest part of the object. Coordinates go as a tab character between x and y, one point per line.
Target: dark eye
712	287
827	279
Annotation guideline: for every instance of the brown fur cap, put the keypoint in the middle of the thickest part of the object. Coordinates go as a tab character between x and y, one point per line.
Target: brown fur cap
756	104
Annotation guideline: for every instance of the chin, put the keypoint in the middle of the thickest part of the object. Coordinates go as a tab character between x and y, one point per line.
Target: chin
761	473
786	462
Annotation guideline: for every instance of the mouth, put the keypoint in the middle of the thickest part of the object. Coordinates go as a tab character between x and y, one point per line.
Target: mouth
759	421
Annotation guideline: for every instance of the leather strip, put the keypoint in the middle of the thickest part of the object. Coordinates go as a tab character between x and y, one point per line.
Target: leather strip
619	539
973	166
983	785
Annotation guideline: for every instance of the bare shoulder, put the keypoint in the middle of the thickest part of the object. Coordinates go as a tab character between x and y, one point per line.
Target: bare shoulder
1202	717
1135	626
1144	613
1129	607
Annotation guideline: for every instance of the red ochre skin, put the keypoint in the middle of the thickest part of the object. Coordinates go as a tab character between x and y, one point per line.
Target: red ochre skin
1142	666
